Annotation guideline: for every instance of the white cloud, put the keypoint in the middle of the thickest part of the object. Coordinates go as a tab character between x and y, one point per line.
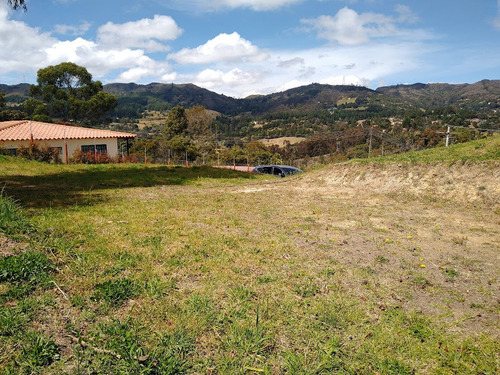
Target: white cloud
290	63
229	64
406	14
100	61
496	21
214	79
169	77
89	54
72	29
349	28
134	75
348	79
41	49
284	69
14	34
223	48
213	5
146	33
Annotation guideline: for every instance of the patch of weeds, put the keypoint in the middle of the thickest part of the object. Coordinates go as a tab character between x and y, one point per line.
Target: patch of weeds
255	250
25	272
54	241
30	267
419	326
77	301
470	357
333	357
122	261
476	306
115	292
155	241
12	321
38	351
156	287
245	340
381	259
265	279
173	352
295	364
129	355
329	272
12	218
450	273
393	367
174	261
416	324
200	305
367	271
241	294
422	282
306	289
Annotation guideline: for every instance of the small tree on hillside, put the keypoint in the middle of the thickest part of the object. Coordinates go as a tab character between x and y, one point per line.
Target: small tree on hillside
175	136
176	123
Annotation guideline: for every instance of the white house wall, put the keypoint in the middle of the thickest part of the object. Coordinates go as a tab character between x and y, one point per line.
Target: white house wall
73	144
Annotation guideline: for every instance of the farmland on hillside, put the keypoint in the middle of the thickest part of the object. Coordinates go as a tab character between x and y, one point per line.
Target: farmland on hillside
387	266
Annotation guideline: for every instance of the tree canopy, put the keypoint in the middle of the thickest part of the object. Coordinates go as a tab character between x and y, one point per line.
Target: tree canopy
176	123
66	91
16	4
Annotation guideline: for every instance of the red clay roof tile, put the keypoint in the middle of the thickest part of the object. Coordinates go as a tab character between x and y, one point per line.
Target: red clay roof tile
41	131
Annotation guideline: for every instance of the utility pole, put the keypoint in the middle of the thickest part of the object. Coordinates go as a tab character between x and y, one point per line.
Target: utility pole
448	136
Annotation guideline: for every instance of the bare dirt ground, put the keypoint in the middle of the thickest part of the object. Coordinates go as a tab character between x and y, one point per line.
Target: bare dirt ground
10	247
422	237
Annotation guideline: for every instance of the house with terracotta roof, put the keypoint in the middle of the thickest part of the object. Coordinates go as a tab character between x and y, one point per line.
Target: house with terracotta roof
66	139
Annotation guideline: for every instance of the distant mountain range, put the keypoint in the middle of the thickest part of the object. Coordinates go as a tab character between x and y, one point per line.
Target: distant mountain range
483	95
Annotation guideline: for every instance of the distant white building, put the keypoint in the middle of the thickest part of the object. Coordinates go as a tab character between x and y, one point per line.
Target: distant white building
66	139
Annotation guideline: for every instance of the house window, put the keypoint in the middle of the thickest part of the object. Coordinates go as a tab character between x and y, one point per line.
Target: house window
58	149
101	149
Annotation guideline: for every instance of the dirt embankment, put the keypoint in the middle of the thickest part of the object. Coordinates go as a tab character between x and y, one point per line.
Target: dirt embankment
460	182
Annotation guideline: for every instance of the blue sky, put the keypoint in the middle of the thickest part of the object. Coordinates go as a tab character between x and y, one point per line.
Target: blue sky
243	47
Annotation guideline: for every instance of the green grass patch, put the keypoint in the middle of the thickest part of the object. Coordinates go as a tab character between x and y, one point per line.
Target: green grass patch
115	292
25	272
12	219
473	151
230	280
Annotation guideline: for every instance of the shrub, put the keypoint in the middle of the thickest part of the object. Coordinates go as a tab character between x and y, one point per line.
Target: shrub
35	151
80	157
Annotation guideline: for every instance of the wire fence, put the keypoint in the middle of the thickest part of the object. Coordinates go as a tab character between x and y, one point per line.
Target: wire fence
373	142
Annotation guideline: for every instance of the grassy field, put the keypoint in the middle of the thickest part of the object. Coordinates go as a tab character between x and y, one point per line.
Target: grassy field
133	269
